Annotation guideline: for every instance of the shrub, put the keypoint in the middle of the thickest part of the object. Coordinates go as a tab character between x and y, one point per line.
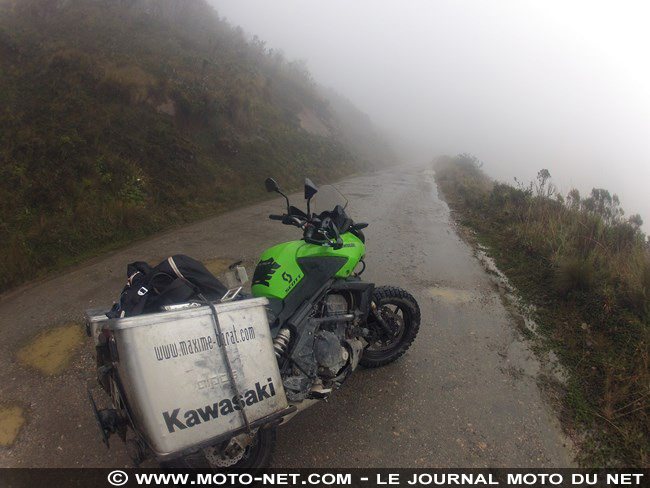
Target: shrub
574	273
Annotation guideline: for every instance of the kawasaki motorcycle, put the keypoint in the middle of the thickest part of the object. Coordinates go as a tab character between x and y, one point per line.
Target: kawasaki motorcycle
325	319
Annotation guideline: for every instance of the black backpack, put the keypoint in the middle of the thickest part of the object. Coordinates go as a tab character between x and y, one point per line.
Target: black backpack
178	279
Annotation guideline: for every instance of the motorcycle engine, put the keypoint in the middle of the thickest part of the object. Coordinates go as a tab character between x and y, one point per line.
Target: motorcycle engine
331	356
335	304
329	344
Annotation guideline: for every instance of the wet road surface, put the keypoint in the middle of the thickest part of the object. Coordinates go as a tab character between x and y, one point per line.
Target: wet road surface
465	395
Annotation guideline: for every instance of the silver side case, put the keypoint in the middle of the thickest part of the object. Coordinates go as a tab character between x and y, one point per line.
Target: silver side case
172	371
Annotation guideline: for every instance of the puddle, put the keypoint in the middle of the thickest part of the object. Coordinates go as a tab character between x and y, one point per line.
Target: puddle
216	266
451	294
51	351
11	420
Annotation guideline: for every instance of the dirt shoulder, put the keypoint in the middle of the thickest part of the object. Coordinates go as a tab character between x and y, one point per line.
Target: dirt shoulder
573	301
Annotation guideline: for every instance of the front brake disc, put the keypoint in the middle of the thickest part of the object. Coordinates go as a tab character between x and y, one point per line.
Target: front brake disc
395	322
218	460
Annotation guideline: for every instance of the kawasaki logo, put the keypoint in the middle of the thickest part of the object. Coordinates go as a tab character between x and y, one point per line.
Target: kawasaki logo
264	271
191	418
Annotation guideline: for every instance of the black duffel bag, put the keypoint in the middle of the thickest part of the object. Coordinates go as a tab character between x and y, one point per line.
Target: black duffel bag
178	279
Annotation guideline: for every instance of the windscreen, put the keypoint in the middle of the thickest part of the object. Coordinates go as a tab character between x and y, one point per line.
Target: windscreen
327	198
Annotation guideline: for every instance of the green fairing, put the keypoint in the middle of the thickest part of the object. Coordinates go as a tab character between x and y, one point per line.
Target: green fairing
285	273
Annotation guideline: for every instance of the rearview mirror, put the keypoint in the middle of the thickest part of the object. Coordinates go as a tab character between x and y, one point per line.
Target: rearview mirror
271	185
310	189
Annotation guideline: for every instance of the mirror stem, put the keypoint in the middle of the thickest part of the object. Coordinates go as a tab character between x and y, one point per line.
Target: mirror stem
287	199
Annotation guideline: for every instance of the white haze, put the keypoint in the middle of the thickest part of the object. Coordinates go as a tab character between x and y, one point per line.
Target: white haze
522	85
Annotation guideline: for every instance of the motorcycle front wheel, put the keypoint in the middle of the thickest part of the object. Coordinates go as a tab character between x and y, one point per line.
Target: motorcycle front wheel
394	322
256	456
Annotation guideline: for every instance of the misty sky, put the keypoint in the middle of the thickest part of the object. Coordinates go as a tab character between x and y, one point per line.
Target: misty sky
523	85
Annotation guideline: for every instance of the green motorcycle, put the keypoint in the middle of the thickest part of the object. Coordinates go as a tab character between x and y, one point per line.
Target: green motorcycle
324	319
200	381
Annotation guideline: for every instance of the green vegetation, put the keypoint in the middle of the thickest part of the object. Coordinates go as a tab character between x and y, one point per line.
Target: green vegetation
119	118
587	270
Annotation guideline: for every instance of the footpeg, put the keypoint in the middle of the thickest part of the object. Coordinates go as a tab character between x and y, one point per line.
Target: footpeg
319	393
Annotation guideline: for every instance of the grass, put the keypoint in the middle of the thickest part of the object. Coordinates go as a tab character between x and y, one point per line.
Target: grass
120	119
586	268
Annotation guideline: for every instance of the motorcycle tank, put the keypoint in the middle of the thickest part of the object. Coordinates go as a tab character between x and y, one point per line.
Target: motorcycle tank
283	266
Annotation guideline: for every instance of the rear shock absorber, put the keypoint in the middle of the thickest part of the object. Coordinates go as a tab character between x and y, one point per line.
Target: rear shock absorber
281	342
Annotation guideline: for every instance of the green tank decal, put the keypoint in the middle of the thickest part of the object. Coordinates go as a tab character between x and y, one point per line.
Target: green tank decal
278	272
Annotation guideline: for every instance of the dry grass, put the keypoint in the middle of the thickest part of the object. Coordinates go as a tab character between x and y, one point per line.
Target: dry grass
588	270
132	77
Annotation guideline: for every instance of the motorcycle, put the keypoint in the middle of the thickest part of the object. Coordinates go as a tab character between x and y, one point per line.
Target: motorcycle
323	321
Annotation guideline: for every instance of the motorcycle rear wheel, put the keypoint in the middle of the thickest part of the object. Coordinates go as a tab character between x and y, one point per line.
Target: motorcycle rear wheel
256	456
401	312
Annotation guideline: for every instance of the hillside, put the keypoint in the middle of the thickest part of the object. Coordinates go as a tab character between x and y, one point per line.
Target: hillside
585	269
120	118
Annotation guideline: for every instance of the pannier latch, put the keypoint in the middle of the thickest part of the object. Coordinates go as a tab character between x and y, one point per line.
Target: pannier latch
231	294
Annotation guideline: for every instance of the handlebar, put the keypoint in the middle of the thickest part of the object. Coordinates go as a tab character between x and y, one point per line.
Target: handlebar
288	219
324	228
309	232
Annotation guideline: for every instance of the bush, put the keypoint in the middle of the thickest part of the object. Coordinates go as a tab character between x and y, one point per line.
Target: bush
574	273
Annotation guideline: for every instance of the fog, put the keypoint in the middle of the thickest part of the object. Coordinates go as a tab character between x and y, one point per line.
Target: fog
522	85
